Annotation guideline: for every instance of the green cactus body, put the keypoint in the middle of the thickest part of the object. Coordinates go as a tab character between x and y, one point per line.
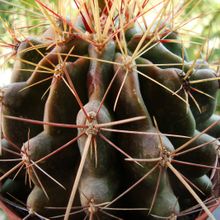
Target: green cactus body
105	119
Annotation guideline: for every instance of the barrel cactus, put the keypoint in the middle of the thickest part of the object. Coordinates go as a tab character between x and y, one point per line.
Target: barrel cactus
106	118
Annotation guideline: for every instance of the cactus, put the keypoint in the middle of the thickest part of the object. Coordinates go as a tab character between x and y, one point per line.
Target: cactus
106	118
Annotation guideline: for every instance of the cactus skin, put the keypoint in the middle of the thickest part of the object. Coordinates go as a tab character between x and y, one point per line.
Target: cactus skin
98	130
